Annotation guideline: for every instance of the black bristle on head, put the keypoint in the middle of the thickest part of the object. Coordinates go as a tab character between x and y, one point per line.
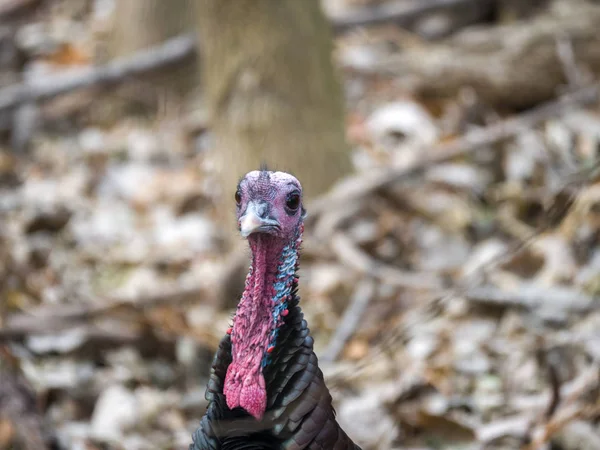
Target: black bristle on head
264	177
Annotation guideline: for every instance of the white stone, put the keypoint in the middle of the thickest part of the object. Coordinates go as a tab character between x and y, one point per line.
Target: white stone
115	411
92	140
142	145
405	118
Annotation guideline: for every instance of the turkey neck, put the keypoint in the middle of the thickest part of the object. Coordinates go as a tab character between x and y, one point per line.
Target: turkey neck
261	312
259	290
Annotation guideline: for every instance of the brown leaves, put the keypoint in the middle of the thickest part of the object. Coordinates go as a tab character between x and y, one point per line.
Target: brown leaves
68	54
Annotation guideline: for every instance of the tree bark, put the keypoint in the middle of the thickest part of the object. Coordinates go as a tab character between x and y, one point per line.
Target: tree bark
271	90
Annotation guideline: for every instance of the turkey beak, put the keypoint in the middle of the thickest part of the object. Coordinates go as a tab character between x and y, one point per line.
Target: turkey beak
254	220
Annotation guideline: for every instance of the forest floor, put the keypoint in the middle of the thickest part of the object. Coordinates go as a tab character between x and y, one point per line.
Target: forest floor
452	284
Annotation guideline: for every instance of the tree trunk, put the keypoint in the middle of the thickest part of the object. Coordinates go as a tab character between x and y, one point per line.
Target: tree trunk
272	92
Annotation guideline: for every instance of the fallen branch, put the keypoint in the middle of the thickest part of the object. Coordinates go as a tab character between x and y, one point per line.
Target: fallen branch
47	321
42	88
398	13
533	297
515	426
363	294
514	65
356	187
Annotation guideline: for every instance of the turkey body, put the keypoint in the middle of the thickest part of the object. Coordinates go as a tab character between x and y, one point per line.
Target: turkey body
299	411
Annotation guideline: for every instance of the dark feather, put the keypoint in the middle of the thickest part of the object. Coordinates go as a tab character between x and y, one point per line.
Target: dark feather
299	410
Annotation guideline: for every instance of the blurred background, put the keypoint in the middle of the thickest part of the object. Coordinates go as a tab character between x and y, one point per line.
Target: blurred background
449	150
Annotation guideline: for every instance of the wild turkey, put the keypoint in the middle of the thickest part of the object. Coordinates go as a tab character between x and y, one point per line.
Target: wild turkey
266	390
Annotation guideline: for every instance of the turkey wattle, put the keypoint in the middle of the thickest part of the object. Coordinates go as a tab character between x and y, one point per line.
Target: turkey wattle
266	390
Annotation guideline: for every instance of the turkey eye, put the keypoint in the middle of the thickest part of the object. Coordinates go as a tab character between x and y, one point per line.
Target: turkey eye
238	197
293	201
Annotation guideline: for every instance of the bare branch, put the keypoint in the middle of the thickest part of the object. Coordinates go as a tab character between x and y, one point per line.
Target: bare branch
398	13
169	52
363	294
354	257
566	56
44	321
533	297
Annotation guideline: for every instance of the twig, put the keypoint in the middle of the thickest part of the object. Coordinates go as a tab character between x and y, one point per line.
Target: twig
360	185
515	426
566	56
42	321
363	294
169	52
533	297
396	12
554	381
550	361
354	257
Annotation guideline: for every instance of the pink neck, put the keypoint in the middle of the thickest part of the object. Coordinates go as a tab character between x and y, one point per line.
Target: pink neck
252	327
